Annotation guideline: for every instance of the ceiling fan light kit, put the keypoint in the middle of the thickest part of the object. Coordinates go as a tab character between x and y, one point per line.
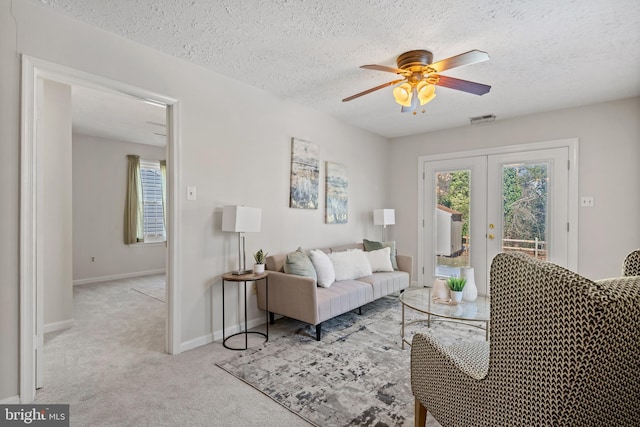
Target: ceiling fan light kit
420	77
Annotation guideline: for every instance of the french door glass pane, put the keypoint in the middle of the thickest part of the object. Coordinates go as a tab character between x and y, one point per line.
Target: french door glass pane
524	207
452	222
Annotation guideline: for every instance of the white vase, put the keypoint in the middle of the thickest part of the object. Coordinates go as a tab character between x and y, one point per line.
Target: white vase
470	290
258	268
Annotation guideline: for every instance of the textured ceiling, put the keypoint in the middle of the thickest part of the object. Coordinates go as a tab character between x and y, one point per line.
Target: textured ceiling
116	116
545	54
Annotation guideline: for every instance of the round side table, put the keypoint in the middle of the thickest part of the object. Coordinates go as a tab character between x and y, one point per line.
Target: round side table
244	278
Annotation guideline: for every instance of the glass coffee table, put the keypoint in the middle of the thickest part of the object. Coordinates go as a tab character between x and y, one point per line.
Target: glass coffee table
419	299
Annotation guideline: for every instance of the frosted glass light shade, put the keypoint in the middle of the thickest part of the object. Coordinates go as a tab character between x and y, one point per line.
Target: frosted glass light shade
426	92
241	219
384	217
403	94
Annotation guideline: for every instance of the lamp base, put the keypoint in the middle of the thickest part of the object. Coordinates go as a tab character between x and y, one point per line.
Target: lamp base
241	272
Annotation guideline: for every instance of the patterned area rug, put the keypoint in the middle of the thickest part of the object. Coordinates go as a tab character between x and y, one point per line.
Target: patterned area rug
358	375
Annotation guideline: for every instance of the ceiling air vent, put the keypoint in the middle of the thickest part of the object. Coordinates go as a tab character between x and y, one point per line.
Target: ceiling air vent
482	119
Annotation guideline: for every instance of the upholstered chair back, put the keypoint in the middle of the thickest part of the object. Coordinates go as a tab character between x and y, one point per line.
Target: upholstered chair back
631	265
563	350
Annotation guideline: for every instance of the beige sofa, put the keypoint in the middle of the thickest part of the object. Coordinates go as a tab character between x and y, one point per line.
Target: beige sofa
300	298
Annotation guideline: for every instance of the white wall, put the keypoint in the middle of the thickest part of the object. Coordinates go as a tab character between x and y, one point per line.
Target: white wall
57	204
609	155
235	148
9	203
99	191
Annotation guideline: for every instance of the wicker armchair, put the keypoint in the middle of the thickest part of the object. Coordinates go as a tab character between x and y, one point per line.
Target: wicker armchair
564	350
631	265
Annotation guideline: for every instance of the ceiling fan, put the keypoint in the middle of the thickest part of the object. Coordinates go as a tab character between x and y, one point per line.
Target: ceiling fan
420	77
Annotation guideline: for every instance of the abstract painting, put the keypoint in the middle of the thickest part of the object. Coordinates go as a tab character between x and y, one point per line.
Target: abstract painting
337	193
305	174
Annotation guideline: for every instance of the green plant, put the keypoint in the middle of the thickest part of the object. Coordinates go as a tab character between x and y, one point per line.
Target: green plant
260	256
456	284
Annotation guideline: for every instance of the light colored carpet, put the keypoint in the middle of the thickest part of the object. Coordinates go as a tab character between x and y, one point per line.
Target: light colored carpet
152	288
358	375
112	370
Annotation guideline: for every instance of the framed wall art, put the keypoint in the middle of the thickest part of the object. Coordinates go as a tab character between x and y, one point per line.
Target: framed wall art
336	193
305	174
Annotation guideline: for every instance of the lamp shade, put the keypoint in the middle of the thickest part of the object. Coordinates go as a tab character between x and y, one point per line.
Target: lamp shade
241	219
384	216
426	92
403	94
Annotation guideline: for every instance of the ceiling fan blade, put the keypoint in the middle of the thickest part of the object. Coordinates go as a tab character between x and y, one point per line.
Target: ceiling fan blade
373	89
463	85
467	58
383	68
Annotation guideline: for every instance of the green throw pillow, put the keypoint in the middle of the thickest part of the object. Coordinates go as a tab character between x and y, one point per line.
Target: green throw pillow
300	264
370	245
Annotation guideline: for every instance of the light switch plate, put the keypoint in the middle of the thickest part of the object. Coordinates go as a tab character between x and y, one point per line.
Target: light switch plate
191	193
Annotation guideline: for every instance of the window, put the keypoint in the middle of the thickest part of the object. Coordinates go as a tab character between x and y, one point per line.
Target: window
153	215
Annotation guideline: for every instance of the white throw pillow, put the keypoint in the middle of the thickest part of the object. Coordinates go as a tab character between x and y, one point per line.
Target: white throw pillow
380	259
324	268
350	264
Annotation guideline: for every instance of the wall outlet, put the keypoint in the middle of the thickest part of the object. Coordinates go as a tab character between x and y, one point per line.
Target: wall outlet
586	201
93	259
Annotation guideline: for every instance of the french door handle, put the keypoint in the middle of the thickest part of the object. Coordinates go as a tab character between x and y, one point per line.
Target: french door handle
491	236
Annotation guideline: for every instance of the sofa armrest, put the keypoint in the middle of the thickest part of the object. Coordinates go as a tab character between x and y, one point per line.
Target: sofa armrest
290	296
405	263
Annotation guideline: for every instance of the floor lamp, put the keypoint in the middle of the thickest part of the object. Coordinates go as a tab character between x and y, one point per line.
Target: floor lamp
241	219
384	217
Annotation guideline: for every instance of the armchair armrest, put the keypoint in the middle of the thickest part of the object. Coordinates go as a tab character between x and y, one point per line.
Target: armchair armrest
471	359
448	381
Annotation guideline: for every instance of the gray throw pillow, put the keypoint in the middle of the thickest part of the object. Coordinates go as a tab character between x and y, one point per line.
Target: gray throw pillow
300	264
370	245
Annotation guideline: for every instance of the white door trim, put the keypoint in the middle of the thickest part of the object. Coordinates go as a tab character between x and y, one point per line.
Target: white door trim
570	143
32	69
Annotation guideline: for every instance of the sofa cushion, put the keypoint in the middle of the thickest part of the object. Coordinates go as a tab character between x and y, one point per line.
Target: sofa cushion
298	263
386	283
276	262
342	297
324	268
350	264
380	260
370	245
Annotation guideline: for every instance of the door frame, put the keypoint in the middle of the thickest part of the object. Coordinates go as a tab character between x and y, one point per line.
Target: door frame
570	143
32	69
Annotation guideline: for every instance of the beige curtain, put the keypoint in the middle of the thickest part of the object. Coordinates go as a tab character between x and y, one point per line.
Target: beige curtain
133	228
163	174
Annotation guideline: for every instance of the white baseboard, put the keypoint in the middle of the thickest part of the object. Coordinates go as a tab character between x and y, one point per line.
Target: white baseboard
217	335
196	342
13	400
117	276
58	326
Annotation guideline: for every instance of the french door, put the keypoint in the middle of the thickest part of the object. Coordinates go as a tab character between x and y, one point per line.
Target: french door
478	206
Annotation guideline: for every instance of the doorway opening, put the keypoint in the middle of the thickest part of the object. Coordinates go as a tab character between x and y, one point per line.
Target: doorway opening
32	238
